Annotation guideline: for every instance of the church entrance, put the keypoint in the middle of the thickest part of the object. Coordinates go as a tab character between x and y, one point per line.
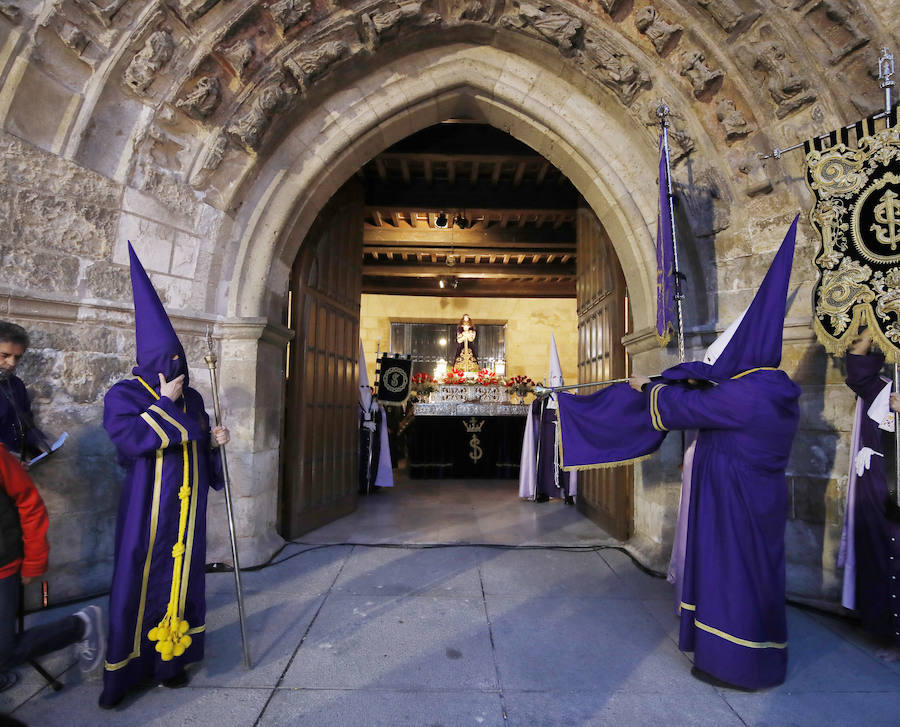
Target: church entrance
458	218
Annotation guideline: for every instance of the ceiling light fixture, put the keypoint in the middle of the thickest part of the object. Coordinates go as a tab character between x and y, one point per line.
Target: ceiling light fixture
461	221
441	221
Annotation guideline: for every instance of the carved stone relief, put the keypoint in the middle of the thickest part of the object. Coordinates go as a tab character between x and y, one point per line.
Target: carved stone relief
753	169
733	122
556	27
249	127
707	201
307	67
287	13
834	24
11	12
203	99
703	80
104	11
148	61
73	37
614	69
376	26
190	10
239	55
789	90
612	6
681	143
662	34
728	14
211	159
480	11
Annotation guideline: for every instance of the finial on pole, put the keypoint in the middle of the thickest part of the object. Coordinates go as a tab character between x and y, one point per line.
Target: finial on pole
885	75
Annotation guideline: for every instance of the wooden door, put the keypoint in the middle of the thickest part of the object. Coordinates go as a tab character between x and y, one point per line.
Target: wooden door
321	439
605	495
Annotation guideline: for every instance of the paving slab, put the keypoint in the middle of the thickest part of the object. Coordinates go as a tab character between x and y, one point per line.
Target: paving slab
398	643
338	708
822	709
622	709
584	643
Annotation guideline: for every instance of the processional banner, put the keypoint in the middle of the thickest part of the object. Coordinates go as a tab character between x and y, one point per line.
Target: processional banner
855	177
392	373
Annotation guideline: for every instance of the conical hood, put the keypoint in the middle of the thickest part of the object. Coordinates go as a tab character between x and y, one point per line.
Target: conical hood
556	377
758	338
365	394
754	339
156	339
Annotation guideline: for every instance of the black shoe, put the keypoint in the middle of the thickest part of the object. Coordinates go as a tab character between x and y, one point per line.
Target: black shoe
542	498
177	681
570	500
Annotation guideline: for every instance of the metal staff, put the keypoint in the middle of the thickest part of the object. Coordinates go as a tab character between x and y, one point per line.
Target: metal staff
211	360
547	390
662	112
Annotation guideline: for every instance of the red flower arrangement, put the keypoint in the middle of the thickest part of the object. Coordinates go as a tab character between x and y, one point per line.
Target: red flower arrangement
422	383
486	377
520	384
454	376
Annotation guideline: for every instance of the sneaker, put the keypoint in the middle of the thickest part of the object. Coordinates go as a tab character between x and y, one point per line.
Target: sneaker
92	647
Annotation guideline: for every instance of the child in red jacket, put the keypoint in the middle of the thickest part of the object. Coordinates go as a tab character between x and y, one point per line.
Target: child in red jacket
23	557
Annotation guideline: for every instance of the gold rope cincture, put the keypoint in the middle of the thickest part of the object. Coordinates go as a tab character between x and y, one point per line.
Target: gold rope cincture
171	633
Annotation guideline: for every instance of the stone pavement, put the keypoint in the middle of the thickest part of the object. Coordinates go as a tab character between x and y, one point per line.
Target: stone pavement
522	615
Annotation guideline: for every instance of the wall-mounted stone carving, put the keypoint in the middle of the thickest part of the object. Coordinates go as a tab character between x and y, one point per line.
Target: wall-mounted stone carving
249	127
612	6
148	61
733	122
614	69
480	11
211	159
703	80
834	23
307	67
190	10
756	175
681	143
707	201
662	34
789	90
238	55
104	11
377	26
203	99
560	29
728	14
287	13
73	37
11	12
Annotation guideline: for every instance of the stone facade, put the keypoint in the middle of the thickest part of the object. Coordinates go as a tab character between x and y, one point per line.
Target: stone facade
211	134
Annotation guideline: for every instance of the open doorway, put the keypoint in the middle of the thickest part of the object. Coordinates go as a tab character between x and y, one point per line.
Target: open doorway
460	218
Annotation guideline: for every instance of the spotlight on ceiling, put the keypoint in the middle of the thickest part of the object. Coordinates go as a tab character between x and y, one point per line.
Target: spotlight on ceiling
461	222
441	221
441	283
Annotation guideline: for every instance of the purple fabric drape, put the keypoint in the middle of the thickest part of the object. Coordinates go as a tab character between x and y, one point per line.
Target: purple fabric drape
665	252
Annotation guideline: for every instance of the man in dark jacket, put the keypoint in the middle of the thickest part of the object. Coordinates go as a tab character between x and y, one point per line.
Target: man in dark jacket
17	429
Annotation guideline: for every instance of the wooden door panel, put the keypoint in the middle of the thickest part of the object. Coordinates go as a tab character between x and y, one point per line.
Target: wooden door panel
320	445
604	495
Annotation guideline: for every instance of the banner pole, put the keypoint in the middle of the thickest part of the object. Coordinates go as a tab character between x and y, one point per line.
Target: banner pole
662	112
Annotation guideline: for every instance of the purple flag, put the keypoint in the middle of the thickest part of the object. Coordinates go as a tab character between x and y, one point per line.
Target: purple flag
665	282
610	426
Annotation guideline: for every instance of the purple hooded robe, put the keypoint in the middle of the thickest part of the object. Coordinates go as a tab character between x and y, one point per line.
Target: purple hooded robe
162	446
875	537
733	587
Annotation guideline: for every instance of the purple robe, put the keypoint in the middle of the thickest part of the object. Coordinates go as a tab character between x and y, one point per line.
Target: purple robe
148	433
874	536
550	479
733	588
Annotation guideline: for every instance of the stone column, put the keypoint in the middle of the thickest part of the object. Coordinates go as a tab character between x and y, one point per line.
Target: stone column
251	387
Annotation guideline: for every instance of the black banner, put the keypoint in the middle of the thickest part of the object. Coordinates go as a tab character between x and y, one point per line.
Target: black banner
857	216
392	376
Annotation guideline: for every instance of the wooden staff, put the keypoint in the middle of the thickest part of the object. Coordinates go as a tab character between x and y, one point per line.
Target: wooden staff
211	360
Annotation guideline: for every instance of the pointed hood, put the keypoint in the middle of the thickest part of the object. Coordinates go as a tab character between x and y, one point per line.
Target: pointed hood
365	394
754	340
555	378
156	339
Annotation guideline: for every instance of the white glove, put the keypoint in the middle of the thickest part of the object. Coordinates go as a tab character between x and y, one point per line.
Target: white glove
864	459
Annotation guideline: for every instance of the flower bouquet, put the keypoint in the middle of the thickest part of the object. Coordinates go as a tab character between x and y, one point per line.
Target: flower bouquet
454	376
520	386
423	384
486	377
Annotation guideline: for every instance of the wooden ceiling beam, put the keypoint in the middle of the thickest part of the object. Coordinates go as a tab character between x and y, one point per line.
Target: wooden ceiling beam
471	288
470	271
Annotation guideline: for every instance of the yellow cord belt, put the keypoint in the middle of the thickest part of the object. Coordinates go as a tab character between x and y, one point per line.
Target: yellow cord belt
171	633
